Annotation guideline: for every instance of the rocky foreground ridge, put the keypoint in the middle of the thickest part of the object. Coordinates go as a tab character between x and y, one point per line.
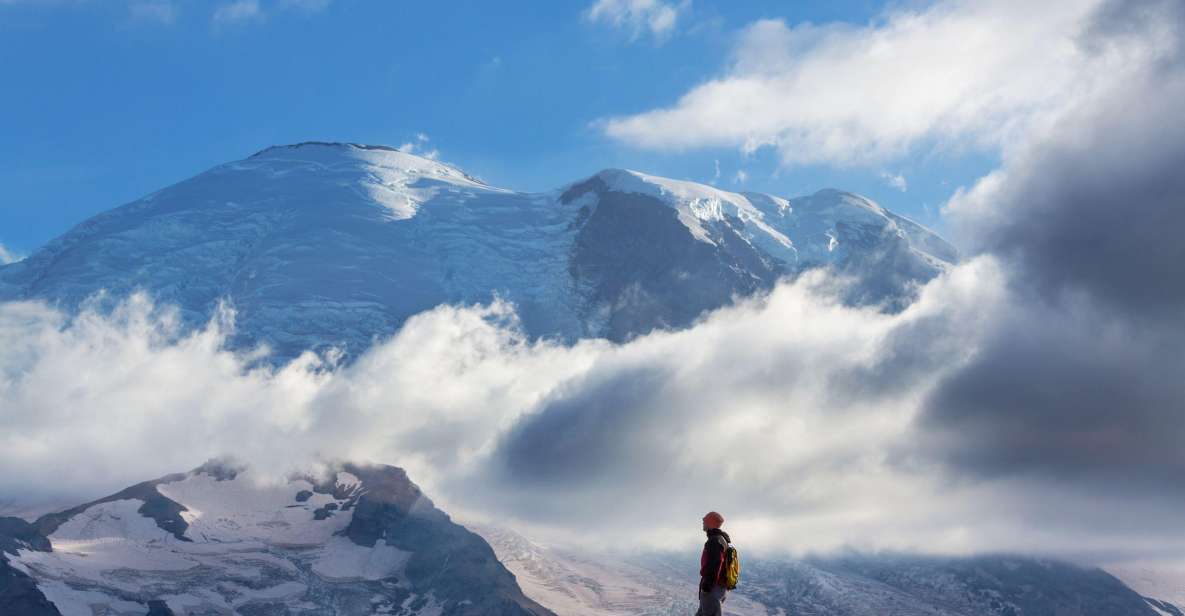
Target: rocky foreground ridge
217	540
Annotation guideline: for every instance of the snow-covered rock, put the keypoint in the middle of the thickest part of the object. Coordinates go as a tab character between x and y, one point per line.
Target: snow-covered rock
329	245
217	540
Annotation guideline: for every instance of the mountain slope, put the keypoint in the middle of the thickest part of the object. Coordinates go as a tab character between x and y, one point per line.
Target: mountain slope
598	584
318	245
216	540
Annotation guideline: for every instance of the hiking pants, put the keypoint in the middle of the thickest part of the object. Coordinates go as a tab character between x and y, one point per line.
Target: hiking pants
710	602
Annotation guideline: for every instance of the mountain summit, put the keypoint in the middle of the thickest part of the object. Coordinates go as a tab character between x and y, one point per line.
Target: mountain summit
322	245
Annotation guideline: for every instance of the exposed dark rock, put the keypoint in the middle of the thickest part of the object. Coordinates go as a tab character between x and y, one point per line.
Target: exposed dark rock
17	534
220	470
19	595
638	288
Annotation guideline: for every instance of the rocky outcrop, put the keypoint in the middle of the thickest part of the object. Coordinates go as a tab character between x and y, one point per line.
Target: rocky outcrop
19	595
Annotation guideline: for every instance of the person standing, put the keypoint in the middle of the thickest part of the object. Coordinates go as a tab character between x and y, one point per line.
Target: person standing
712	587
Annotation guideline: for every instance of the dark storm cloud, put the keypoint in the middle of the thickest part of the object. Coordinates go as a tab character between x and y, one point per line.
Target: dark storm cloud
1069	392
594	425
1084	376
1099	207
1118	21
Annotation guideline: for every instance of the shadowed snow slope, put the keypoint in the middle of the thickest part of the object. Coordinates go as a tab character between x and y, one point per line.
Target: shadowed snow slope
359	540
330	245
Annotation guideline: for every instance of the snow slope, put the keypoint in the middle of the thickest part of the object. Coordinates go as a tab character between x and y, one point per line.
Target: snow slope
329	245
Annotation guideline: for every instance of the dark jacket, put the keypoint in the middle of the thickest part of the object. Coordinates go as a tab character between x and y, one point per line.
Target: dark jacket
711	562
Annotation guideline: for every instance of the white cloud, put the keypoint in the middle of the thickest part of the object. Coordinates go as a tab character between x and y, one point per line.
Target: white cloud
654	17
308	6
238	12
896	180
7	256
955	74
162	11
419	146
229	13
740	177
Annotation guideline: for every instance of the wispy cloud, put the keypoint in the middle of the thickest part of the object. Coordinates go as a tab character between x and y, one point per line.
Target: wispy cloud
161	11
308	6
228	13
953	73
420	147
896	180
657	18
7	256
238	12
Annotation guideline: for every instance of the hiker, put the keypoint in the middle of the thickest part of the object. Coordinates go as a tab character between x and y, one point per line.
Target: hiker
712	569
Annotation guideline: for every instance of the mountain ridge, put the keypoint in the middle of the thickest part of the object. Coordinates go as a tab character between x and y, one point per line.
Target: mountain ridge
324	245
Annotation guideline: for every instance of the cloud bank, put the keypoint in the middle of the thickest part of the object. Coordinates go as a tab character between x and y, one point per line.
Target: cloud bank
806	421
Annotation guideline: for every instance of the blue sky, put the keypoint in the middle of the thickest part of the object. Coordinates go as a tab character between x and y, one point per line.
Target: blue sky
107	101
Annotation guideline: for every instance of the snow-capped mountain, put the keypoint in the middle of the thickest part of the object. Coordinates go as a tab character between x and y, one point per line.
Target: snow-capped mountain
580	583
360	540
321	244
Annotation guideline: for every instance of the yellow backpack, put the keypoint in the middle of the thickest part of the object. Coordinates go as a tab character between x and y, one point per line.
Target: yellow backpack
732	568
